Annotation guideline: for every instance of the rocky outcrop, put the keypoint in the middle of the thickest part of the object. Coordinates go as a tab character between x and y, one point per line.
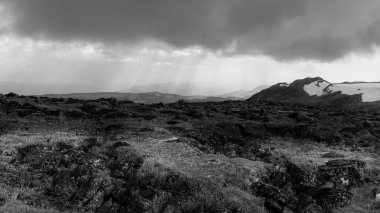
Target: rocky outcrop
304	188
275	196
92	177
295	93
342	173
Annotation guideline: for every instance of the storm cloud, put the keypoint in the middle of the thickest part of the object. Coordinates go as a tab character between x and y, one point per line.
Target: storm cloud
283	29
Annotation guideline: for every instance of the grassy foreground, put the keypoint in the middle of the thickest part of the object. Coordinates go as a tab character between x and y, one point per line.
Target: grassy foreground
109	156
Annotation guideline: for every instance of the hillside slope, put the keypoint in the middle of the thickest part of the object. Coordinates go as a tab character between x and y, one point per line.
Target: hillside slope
317	91
245	94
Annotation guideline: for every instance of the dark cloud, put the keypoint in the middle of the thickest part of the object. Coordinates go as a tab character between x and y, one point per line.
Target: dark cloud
283	29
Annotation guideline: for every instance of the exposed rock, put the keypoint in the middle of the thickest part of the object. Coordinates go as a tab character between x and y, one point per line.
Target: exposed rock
307	204
88	143
84	185
279	178
312	208
303	177
14	105
120	144
29	106
278	195
272	206
4	105
24	112
306	188
11	95
342	172
74	114
332	197
367	124
332	155
375	191
301	117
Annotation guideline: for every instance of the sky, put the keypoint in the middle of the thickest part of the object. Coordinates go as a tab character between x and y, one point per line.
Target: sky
216	46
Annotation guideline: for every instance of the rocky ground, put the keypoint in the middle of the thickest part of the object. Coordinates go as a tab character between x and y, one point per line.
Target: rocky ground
69	155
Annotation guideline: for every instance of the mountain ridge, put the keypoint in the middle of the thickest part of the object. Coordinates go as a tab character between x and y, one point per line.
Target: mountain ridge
317	91
245	94
148	97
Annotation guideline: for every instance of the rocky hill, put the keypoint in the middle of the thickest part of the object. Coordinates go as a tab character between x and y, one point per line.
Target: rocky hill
317	91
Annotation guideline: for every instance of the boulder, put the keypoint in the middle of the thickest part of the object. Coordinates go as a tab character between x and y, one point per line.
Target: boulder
29	106
272	206
50	111
84	185
302	176
312	208
74	113
375	191
307	204
14	105
11	95
367	124
342	172
280	196
120	144
332	155
24	112
329	198
301	117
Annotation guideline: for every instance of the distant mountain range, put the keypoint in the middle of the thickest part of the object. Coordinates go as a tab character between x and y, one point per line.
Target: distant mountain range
318	91
185	89
245	94
148	98
314	91
153	93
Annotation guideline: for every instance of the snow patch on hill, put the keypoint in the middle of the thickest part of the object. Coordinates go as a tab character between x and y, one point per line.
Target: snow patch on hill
317	88
370	91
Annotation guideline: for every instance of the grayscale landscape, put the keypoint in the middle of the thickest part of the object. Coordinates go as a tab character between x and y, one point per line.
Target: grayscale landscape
175	106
